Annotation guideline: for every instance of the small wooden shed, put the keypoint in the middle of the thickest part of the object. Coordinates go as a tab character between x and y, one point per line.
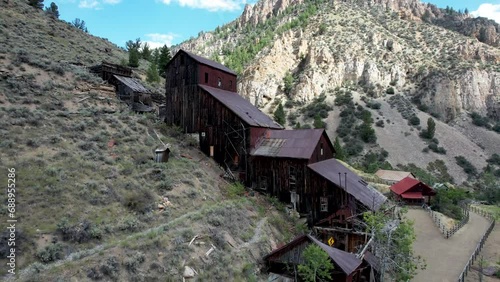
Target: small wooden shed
134	93
347	267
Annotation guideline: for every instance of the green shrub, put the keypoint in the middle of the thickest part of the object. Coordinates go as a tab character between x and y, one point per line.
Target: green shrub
390	90
380	123
466	165
494	159
236	190
50	253
414	120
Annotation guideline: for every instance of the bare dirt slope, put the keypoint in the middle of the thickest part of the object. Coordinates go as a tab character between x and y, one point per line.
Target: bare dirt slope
404	145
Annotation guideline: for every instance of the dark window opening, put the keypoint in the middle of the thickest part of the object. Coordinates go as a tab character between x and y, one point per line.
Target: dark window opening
321	148
206	77
219	82
230	83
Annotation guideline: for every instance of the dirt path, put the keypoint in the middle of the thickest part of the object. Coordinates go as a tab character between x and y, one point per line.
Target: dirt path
445	258
257	235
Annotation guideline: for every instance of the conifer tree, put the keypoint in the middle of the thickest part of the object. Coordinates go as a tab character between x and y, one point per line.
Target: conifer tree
52	10
431	128
339	151
146	53
164	59
133	58
279	115
152	73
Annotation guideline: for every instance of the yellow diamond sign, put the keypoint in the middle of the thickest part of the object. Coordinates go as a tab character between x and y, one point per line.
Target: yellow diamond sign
331	241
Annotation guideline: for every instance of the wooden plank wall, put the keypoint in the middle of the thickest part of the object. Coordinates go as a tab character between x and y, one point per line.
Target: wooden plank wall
213	132
328	150
228	81
182	100
277	175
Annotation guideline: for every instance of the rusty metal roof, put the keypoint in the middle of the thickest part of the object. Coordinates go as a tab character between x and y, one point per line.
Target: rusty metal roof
347	262
297	144
208	62
349	182
241	107
132	83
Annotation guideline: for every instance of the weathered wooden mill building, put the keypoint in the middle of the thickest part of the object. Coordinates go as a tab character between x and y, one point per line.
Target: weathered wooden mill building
185	73
288	164
280	161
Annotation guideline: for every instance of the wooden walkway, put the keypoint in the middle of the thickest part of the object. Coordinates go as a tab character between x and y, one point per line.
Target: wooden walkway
445	258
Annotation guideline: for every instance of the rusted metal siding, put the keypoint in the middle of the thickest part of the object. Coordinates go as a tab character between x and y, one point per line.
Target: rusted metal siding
210	76
182	94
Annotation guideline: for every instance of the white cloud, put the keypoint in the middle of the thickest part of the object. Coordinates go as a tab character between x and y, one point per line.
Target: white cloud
210	5
487	10
157	40
96	4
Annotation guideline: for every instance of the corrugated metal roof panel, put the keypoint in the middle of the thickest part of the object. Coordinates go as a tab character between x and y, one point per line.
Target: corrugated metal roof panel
298	143
208	62
132	83
393	175
355	186
346	261
242	108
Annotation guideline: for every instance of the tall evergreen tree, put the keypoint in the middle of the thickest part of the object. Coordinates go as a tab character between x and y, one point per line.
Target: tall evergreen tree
133	58
164	59
146	52
80	24
339	151
431	128
152	73
318	122
279	115
155	56
52	10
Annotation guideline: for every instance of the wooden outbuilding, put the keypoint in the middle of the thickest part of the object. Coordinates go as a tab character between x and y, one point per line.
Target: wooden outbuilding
393	176
347	267
133	93
412	191
185	72
280	159
106	71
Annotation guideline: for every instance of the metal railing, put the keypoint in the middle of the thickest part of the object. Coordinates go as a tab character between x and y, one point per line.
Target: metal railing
481	243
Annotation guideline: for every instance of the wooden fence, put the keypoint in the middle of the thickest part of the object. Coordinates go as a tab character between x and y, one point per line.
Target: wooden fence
481	243
448	232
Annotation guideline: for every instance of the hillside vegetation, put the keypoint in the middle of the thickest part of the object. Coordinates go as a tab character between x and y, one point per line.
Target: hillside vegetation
91	203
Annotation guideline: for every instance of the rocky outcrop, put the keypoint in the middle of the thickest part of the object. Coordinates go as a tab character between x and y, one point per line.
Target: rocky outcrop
474	90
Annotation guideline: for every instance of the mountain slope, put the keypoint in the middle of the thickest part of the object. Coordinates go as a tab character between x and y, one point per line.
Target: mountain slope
370	48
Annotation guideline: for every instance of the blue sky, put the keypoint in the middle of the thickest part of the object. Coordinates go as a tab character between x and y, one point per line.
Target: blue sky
173	21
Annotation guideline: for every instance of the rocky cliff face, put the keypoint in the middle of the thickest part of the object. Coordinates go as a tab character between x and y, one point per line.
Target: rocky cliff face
373	44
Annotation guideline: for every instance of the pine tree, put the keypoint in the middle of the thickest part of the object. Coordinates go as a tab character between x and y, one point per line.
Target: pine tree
146	52
133	58
152	74
164	59
466	11
36	3
52	10
80	24
318	122
339	151
279	115
431	128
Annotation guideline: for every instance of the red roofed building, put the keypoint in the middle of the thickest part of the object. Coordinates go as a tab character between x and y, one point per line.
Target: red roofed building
412	191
